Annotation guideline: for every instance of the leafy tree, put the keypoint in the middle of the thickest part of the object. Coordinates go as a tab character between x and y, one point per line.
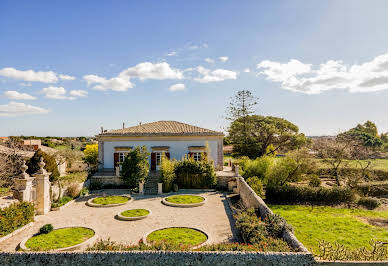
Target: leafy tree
91	155
51	165
255	135
167	172
366	133
135	167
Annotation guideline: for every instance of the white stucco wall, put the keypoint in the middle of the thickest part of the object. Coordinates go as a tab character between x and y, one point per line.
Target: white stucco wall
178	148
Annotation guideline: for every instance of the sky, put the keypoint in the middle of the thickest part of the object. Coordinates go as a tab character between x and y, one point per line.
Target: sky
69	67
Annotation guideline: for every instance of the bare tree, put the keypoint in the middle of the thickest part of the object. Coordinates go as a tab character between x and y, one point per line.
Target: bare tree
11	159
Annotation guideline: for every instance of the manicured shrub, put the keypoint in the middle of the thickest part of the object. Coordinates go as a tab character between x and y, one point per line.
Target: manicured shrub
195	174
135	168
369	203
374	189
167	173
51	165
15	216
258	167
289	193
73	190
276	225
62	201
251	228
45	229
255	183
314	181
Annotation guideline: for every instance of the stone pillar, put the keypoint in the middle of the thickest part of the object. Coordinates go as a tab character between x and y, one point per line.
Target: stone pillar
100	155
23	185
117	170
43	203
160	188
141	187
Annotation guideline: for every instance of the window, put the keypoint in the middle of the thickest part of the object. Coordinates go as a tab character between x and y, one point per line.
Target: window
197	156
158	158
122	156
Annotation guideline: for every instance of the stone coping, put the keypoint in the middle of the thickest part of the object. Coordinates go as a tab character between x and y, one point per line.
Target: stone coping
16	231
126	218
79	246
91	204
194	247
63	206
165	202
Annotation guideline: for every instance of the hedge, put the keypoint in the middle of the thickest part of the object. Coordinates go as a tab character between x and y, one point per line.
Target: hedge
289	193
374	189
372	174
15	216
195	174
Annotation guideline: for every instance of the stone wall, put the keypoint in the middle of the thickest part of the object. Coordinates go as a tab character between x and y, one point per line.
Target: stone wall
106	180
156	258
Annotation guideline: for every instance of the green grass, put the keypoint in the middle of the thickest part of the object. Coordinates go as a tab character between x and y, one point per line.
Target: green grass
61	202
135	213
59	238
110	200
177	236
4	191
185	199
332	224
76	177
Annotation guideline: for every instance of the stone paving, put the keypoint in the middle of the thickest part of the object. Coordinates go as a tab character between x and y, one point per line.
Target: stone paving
214	218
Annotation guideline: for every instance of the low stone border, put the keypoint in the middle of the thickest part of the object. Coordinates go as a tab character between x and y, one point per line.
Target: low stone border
79	246
16	231
171	204
144	239
126	218
91	204
63	206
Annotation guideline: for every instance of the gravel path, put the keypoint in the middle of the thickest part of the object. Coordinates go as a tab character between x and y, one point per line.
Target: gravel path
214	218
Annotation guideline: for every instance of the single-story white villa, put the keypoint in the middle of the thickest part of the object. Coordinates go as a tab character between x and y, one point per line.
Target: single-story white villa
175	139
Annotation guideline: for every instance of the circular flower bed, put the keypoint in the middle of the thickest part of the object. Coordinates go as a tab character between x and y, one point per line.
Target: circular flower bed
134	214
176	236
62	239
109	201
184	201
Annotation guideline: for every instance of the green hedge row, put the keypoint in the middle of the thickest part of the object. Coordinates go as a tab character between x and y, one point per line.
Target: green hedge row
15	216
375	190
195	174
289	193
371	174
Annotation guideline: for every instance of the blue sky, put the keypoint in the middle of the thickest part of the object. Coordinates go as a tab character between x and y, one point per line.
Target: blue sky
69	67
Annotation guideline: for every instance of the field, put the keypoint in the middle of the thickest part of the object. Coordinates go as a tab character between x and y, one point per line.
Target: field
350	227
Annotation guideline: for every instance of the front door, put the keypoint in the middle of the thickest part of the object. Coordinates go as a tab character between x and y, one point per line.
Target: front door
158	160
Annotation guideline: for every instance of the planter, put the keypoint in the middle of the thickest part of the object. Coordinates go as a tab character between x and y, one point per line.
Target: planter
190	205
79	246
91	204
134	218
193	247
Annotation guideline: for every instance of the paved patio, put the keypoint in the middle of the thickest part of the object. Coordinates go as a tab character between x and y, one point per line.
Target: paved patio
214	218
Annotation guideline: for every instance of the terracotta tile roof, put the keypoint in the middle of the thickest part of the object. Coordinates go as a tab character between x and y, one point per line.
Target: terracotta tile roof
162	128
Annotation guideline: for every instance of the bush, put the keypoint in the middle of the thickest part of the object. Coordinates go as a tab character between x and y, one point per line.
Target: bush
258	167
314	181
289	193
135	167
251	228
255	183
62	201
195	174
15	216
374	189
276	225
369	203
51	165
167	173
84	191
91	155
45	229
73	190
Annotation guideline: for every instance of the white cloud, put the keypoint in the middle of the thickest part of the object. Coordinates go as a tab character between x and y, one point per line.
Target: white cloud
172	53
25	84
223	58
29	75
177	87
66	77
209	60
58	93
148	70
114	84
20	109
14	95
247	70
78	93
296	76
215	75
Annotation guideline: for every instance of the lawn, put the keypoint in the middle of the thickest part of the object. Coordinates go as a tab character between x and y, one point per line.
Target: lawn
59	238
185	199
332	224
110	200
177	236
135	213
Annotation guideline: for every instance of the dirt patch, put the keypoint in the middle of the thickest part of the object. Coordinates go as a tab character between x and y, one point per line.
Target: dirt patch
380	222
